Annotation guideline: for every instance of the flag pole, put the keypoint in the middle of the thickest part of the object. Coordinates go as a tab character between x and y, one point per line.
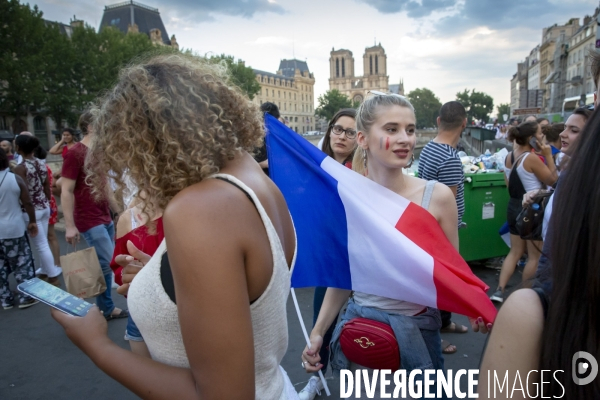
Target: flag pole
307	338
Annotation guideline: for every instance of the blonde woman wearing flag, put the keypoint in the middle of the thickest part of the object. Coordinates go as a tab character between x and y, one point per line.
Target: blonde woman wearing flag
386	126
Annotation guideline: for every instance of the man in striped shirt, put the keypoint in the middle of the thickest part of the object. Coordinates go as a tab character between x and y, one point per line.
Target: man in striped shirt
439	161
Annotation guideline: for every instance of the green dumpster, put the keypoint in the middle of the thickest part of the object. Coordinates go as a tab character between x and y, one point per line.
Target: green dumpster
486	200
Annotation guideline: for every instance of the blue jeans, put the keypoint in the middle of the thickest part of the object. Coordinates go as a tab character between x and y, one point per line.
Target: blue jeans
132	333
317	303
102	238
418	338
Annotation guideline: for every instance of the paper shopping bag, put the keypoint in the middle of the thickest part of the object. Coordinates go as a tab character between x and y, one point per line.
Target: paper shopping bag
82	273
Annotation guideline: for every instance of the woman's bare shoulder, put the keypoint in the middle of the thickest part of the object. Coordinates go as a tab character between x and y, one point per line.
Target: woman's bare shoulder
519	325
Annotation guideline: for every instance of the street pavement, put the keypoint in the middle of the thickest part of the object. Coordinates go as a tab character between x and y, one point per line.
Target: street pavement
37	361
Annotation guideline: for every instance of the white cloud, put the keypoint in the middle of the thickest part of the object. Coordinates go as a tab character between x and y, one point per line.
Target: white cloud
471	53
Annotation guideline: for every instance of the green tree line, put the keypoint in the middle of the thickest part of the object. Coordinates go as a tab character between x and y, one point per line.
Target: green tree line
45	71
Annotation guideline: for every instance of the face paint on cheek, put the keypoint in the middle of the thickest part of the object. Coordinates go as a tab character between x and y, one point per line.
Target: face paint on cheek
387	143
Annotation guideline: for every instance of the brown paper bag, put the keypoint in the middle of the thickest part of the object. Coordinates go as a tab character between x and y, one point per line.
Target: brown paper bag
82	273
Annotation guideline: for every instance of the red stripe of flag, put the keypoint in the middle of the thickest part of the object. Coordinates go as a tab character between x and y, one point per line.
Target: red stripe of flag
458	289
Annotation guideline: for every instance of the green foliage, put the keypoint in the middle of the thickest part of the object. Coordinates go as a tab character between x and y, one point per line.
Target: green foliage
503	108
45	71
478	105
21	59
241	76
427	107
331	102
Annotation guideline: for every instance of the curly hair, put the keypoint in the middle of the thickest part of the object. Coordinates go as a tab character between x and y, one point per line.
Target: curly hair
168	123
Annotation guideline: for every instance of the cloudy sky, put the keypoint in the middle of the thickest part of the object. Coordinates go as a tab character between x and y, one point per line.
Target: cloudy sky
444	45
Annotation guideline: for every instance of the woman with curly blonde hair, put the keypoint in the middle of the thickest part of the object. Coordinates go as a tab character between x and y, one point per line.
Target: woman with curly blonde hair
214	307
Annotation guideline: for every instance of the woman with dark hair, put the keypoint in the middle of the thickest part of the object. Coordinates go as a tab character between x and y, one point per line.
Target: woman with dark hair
552	137
261	155
339	141
340	144
523	174
67	141
35	174
41	155
546	329
15	252
211	302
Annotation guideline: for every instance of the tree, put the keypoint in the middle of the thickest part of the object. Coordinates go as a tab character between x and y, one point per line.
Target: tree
427	107
477	104
241	75
60	87
503	109
331	102
21	59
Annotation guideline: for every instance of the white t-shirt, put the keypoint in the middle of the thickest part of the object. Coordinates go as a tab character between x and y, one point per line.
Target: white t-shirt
547	215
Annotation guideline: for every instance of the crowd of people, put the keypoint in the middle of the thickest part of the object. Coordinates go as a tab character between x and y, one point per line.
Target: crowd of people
204	245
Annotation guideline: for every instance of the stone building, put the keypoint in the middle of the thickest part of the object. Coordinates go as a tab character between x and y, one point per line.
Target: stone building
292	89
552	69
131	16
580	83
344	79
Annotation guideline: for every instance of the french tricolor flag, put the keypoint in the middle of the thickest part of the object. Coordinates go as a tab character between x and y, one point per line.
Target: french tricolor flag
356	234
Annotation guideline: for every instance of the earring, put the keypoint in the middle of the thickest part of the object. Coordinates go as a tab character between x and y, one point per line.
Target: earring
412	160
365	162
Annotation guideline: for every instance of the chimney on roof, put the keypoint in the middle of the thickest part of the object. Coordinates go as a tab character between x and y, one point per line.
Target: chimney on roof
586	20
76	23
174	43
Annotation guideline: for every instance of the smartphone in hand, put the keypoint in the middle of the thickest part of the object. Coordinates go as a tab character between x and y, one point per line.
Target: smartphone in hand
533	143
55	297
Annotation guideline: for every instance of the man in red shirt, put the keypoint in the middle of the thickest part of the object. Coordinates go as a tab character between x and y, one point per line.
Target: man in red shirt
83	213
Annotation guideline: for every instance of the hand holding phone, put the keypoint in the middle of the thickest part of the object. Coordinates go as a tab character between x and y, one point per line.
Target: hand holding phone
55	297
534	144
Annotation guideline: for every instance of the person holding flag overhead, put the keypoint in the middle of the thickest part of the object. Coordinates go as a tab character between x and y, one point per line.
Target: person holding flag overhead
399	259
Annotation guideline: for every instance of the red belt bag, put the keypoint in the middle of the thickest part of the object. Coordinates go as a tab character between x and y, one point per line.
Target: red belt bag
371	344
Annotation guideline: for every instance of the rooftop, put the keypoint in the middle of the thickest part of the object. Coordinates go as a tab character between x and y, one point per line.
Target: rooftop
288	67
122	15
269	74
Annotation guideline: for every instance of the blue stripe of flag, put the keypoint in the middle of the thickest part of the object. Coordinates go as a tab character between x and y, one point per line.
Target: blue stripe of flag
315	205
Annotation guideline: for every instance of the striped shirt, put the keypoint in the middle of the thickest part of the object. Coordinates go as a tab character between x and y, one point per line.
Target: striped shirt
440	162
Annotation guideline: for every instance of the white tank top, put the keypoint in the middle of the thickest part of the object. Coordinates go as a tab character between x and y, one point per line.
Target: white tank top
13	225
386	304
528	179
156	315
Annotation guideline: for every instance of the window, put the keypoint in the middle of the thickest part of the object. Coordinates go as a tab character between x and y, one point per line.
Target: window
337	67
284	106
115	21
376	64
296	119
39	123
343	67
294	96
273	92
279	93
371	65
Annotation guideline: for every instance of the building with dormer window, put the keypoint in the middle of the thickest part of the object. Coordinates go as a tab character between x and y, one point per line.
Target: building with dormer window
292	89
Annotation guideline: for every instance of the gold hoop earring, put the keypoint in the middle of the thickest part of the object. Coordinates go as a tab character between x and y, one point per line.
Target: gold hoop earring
412	160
